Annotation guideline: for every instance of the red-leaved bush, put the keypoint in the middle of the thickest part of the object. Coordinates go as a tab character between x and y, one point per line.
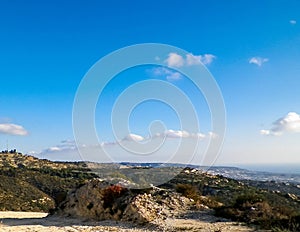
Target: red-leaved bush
111	193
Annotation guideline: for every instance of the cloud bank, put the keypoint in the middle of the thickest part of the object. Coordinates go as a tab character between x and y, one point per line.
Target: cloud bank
70	145
12	129
176	60
287	124
65	145
180	134
170	134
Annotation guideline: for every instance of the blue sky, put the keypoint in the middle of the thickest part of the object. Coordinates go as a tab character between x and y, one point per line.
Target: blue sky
46	47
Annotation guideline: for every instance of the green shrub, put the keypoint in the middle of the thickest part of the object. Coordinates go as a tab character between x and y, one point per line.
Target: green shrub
248	199
188	191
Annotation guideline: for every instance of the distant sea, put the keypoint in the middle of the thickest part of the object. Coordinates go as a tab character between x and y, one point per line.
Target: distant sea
273	168
270	172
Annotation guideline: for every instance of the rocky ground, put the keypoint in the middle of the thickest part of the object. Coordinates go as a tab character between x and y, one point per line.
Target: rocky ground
116	208
38	222
99	206
98	200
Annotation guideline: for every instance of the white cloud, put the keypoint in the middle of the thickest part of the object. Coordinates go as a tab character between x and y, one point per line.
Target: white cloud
289	123
55	149
163	146
213	135
265	132
193	60
293	22
169	74
12	129
176	60
173	134
133	137
102	144
33	153
174	76
196	60
270	133
68	145
259	61
176	134
65	145
198	135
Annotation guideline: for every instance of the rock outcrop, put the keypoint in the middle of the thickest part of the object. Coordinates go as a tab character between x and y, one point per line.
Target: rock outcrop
158	204
98	200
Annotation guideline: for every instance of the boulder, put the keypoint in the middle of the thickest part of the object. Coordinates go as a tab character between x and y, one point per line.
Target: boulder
98	200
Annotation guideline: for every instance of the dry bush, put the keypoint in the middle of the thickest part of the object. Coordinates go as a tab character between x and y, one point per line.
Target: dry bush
111	193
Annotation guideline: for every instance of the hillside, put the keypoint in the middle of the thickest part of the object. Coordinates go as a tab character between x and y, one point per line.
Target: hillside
31	184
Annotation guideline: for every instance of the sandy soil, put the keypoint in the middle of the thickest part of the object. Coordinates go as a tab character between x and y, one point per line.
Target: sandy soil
39	222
